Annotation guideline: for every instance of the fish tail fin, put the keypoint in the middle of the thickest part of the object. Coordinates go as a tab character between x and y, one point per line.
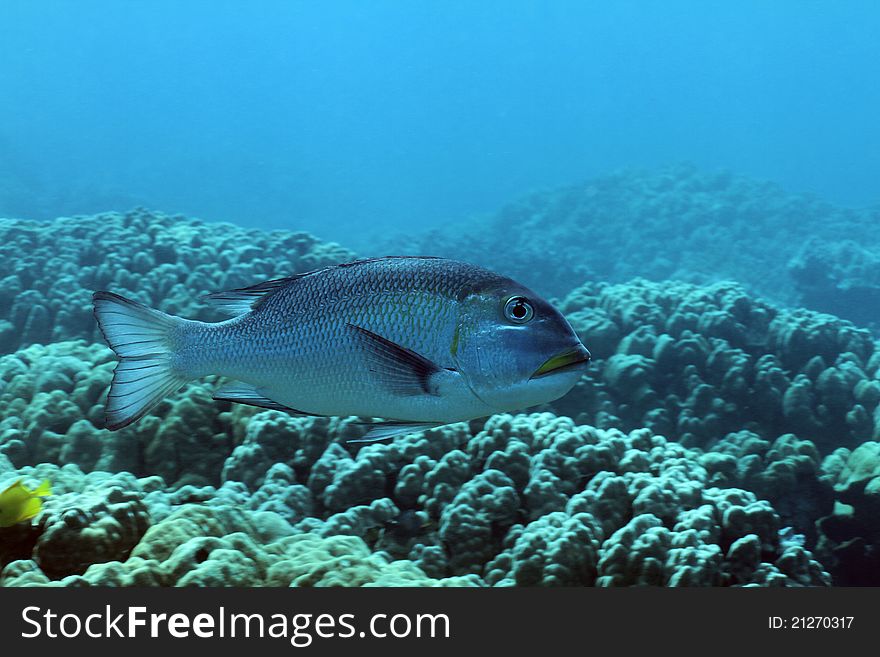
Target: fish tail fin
143	338
44	489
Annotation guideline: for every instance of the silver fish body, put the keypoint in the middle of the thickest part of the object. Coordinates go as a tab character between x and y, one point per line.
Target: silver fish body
421	341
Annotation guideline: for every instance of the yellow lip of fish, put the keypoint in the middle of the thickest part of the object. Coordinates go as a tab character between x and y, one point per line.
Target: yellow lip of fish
568	358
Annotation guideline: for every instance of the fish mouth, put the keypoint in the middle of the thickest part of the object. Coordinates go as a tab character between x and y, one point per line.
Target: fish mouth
568	359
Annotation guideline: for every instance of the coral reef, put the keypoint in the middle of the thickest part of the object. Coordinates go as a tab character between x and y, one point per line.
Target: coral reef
697	363
48	270
51	411
522	500
850	536
718	439
684	224
839	276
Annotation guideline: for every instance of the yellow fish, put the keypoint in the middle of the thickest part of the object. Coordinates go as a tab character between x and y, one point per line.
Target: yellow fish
18	504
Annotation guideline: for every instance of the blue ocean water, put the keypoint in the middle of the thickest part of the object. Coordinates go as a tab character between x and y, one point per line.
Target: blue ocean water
693	186
343	118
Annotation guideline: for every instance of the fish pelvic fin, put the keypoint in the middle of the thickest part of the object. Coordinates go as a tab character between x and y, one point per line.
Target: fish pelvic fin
143	339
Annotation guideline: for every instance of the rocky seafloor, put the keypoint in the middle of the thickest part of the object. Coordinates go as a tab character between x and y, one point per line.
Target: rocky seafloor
717	440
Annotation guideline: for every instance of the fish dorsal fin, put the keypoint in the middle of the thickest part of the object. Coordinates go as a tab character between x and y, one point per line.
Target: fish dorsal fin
244	393
385	430
242	300
400	370
15	491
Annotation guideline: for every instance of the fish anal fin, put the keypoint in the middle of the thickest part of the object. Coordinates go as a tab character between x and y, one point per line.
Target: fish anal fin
245	393
399	369
385	430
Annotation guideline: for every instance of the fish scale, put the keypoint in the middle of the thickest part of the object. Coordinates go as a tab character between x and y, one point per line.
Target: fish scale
296	347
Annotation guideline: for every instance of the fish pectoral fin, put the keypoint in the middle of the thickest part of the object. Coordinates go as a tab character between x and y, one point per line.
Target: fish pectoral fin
245	393
401	370
385	430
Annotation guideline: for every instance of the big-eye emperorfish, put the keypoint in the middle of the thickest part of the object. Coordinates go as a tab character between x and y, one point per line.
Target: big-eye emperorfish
416	341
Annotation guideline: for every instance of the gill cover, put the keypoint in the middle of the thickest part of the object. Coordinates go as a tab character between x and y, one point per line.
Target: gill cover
513	355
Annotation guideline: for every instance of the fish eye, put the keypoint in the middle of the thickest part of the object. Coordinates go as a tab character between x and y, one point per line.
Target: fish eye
518	310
